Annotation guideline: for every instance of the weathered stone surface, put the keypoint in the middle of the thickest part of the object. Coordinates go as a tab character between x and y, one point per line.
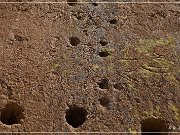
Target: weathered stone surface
89	67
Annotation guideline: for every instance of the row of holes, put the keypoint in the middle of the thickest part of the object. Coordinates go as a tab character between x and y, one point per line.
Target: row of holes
104	84
74	41
76	116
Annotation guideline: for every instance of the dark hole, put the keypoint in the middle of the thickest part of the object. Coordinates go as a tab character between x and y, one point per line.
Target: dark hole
103	84
76	116
71	2
152	15
90	17
137	100
151	125
113	21
79	17
11	114
103	43
85	32
74	41
104	101
104	53
94	4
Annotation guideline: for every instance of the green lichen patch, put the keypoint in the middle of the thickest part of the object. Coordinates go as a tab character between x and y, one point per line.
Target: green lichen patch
150	58
55	66
95	67
132	131
175	110
146	46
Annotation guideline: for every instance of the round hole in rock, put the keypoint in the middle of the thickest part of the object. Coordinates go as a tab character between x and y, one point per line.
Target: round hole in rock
71	2
11	114
113	21
103	84
74	41
76	116
137	99
155	125
104	53
79	17
94	4
104	101
103	42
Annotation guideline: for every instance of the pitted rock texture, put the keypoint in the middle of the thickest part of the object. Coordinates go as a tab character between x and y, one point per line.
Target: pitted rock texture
89	67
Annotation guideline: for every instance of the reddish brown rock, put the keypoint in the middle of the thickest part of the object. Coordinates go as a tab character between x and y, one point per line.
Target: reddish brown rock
89	67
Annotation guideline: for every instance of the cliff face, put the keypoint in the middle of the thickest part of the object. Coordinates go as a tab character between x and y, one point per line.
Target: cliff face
89	67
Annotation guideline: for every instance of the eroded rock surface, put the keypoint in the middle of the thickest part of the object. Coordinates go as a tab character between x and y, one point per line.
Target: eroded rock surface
99	67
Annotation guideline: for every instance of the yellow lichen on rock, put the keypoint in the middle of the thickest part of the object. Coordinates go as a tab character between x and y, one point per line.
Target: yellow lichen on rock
146	46
175	110
132	131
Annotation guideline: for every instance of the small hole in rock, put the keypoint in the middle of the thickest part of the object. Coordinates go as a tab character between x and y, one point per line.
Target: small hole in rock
74	41
137	100
76	116
85	32
103	84
71	2
113	21
94	4
103	43
104	53
79	17
104	101
11	114
154	125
